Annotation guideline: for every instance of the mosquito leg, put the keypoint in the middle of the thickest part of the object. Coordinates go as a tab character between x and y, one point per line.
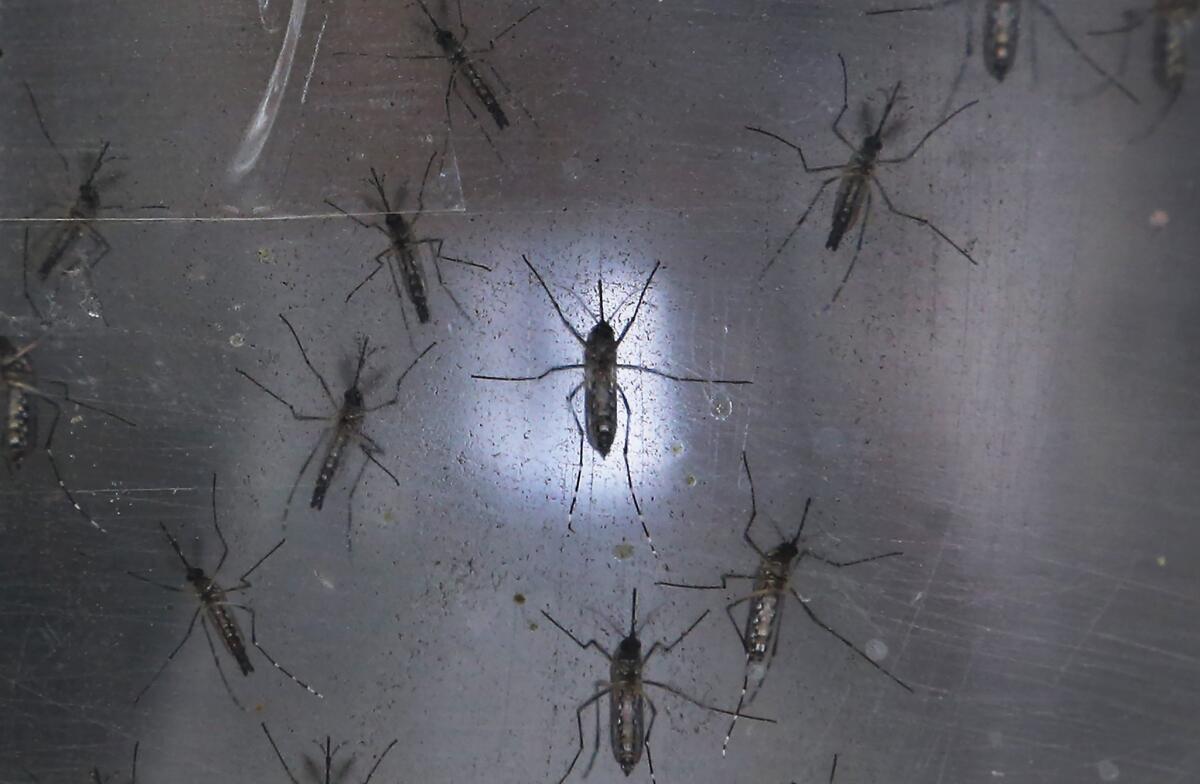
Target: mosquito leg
923	221
553	301
555	369
37	112
833	769
738	709
379	761
629	474
242	581
355	218
217	528
803	161
482	128
399	296
845	104
922	7
636	308
171	655
1061	29
437	271
217	661
304	355
366	280
350	502
962	67
515	98
295	414
579	467
847	643
396	398
649	731
54	467
856	562
99	238
66	396
277	665
664	374
722	587
492	43
683	695
1133	20
921	143
282	761
579	723
803	217
753	510
862	233
164	586
668	647
595	745
25	278
584	645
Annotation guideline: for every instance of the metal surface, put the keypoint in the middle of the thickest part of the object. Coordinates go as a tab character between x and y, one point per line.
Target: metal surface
1025	430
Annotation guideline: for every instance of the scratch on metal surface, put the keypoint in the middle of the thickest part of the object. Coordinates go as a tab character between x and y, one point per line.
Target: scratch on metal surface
1069	659
313	65
268	109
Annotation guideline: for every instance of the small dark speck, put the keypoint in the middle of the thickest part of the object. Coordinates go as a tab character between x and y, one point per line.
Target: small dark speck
519	598
533	627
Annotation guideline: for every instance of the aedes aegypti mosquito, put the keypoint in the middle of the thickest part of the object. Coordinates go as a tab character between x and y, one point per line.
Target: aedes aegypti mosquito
329	751
454	50
345	430
213	606
406	272
629	733
64	239
772	583
1172	23
20	393
600	386
853	203
1001	32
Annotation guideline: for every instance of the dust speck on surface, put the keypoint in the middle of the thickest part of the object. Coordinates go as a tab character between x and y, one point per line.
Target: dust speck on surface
1159	219
1161	560
690	479
623	551
237	340
876	649
722	407
677	448
519	598
1108	770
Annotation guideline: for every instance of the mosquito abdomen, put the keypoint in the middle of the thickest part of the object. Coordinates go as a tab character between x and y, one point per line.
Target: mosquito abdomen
329	466
1170	48
1000	33
414	284
627	724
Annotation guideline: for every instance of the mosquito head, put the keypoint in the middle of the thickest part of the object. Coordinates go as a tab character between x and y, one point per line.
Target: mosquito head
784	553
602	335
353	398
196	575
89	197
397	226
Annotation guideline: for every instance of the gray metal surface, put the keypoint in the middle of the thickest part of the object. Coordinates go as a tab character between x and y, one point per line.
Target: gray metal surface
1025	430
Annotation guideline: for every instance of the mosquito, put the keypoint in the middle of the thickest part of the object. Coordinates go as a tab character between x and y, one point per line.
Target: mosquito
629	733
1001	32
600	386
213	601
772	582
97	779
64	240
1173	21
346	429
407	275
853	202
330	751
454	50
19	389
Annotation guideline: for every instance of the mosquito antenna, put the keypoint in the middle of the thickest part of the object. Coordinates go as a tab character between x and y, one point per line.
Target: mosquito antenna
362	358
633	616
42	124
175	545
638	307
887	110
328	757
803	518
379	761
378	181
96	166
833	770
600	288
432	21
133	772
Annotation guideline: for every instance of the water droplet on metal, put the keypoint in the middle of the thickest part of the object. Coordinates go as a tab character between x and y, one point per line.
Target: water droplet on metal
237	340
623	552
722	407
876	650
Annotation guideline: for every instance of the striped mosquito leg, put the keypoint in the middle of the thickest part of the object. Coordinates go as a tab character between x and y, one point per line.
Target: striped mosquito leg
268	657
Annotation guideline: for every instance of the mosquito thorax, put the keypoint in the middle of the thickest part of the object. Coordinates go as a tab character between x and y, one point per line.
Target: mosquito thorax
872	145
353	398
88	196
196	575
446	40
396	225
784	553
602	336
630	649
